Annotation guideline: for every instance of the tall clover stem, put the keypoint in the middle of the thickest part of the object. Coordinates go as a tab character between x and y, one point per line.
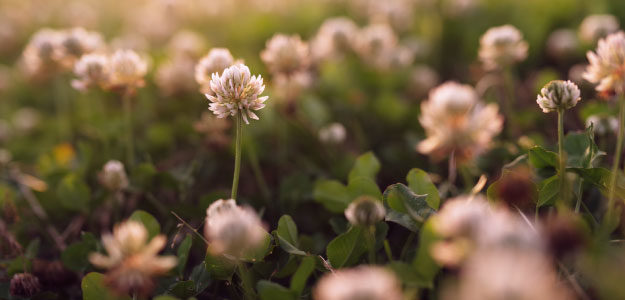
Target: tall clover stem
561	155
246	281
617	157
237	155
130	151
370	236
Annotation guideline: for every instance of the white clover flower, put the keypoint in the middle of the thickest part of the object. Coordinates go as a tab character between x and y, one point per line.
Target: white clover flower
127	70
376	45
132	261
359	283
607	64
176	76
456	121
595	27
333	133
231	229
40	56
502	46
216	61
187	43
334	38
236	91
461	216
562	43
558	95
92	70
365	211
113	176
76	42
422	79
284	54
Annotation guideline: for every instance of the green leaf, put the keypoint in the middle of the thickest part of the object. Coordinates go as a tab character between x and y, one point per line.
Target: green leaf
93	288
401	199
601	178
299	279
73	193
346	249
287	236
423	262
75	256
548	191
360	186
367	165
183	253
402	219
259	253
201	277
581	149
183	289
541	158
332	194
149	221
218	266
420	183
268	290
407	274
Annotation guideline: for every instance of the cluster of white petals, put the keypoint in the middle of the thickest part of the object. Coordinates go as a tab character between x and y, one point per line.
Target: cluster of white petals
359	283
231	229
236	91
456	121
335	37
286	54
595	27
376	44
216	61
333	133
558	95
127	69
607	64
113	176
502	46
92	70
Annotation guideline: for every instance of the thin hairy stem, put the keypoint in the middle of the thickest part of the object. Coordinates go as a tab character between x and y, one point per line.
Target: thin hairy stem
237	156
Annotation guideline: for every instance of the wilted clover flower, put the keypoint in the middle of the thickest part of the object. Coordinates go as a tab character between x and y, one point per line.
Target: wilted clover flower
236	91
132	260
216	61
113	176
76	42
558	95
24	285
40	57
286	55
607	64
231	229
595	27
365	211
127	70
333	133
92	70
502	46
376	44
335	37
456	121
359	283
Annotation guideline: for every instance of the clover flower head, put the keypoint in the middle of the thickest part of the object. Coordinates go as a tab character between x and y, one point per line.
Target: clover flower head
176	76
335	37
365	211
558	95
502	46
76	42
562	43
24	285
187	43
284	54
359	283
216	61
127	69
607	64
595	27
236	91
333	133
113	176
376	44
41	54
92	70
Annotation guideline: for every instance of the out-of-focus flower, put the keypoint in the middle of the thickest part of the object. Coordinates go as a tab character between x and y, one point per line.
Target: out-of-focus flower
601	124
26	119
595	27
397	13
456	8
422	79
365	211
284	54
132	261
456	121
187	43
76	42
113	176
24	285
562	44
5	156
41	53
576	74
558	95
333	133
607	64
216	61
64	154
127	70
461	216
236	91
334	38
501	47
516	188
564	234
509	274
92	70
376	45
176	76
363	282
214	129
231	229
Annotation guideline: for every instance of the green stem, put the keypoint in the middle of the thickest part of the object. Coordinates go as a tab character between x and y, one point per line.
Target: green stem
370	236
387	249
561	155
127	104
246	281
617	159
237	156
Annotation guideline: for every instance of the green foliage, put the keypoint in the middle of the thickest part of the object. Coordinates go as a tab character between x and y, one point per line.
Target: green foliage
299	279
149	221
425	266
346	249
75	256
183	253
287	237
332	194
93	288
268	290
73	193
541	158
420	183
367	165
